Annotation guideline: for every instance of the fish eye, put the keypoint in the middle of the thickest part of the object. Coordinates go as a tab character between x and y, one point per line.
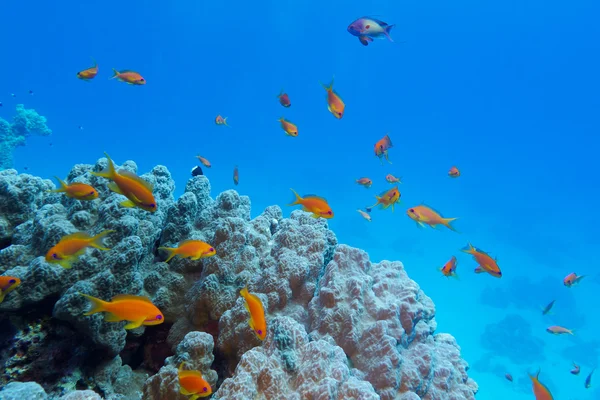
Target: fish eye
412	210
91	193
152	205
159	317
12	281
329	212
211	249
205	389
368	26
259	332
54	255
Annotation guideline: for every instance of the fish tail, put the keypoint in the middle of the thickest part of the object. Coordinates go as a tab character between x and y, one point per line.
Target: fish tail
115	74
97	304
225	121
95	62
297	199
387	31
96	241
330	87
446	222
109	172
172	251
244	292
2	294
63	186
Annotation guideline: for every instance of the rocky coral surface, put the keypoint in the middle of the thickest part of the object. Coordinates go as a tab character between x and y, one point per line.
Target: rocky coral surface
339	327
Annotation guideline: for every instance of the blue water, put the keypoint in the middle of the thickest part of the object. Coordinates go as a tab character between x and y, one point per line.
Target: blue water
508	91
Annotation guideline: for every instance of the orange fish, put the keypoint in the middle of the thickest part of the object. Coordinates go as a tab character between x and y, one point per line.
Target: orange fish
204	161
76	190
255	307
194	249
236	175
335	105
137	190
382	147
366	182
572	279
559	330
509	377
90	73
7	285
386	199
289	128
486	263
137	310
449	269
129	77
316	205
392	179
70	247
221	121
454	172
192	383
576	369
424	215
540	391
284	99
365	215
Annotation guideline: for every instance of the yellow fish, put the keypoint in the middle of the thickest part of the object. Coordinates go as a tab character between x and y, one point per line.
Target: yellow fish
255	307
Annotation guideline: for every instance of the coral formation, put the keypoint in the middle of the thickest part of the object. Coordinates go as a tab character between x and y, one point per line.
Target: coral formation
338	325
25	122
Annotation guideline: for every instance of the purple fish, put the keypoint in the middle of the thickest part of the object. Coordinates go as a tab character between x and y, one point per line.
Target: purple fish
367	29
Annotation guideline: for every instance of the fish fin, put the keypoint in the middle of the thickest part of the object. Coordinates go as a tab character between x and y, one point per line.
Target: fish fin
183	391
115	188
2	294
328	88
115	74
455	276
98	305
446	222
364	40
136	178
67	263
109	172
127	203
297	199
479	270
387	31
134	324
225	121
313	215
191	372
171	251
76	235
62	184
110	317
131	297
96	241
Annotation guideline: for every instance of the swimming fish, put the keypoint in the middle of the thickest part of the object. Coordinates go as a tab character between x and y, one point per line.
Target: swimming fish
576	369
392	179
236	175
559	330
588	380
454	172
381	148
257	313
194	249
386	199
366	182
289	128
449	269
508	377
335	105
311	203
204	161
7	285
76	190
546	310
424	215
284	99
192	383
129	77
137	190
368	28
71	247
540	391
89	73
572	279
137	310
221	121
365	215
485	261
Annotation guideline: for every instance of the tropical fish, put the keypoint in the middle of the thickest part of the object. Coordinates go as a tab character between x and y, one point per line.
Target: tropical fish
335	105
576	369
71	247
559	330
289	128
540	391
508	377
588	380
89	73
382	147
454	172
236	175
392	179
137	310
366	182
192	383
449	269
311	203
284	99
76	190
424	215
386	199
7	285
129	77
204	161
137	190
572	279
365	215
368	28
546	310
194	249
485	261
255	307
221	121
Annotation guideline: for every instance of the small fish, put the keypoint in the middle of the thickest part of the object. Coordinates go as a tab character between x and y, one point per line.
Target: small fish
424	215
289	128
382	147
284	99
449	269
546	310
311	203
137	190
366	182
335	105
204	161
392	179
367	29
576	369
197	171
137	310
540	391
7	285
588	380
509	377
365	215
255	307
454	172
89	73
572	279
129	77
559	330
485	261
76	190
0	104
71	247
192	383
31	92
236	175
220	120
386	199
80	127
194	249
13	95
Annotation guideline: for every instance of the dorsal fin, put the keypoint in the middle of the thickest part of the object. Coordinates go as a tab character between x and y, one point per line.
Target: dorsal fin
191	241
121	297
314	196
136	178
183	373
76	235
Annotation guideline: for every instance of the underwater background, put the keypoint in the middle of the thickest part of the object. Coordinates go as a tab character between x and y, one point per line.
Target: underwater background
506	91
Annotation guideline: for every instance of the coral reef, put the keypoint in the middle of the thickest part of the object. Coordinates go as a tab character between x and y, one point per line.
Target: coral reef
25	122
338	325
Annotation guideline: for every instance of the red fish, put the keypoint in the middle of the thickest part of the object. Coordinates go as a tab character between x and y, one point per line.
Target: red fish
382	147
540	391
220	120
284	99
576	369
485	261
89	73
386	199
129	77
366	182
449	269
335	105
509	377
572	279
454	172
